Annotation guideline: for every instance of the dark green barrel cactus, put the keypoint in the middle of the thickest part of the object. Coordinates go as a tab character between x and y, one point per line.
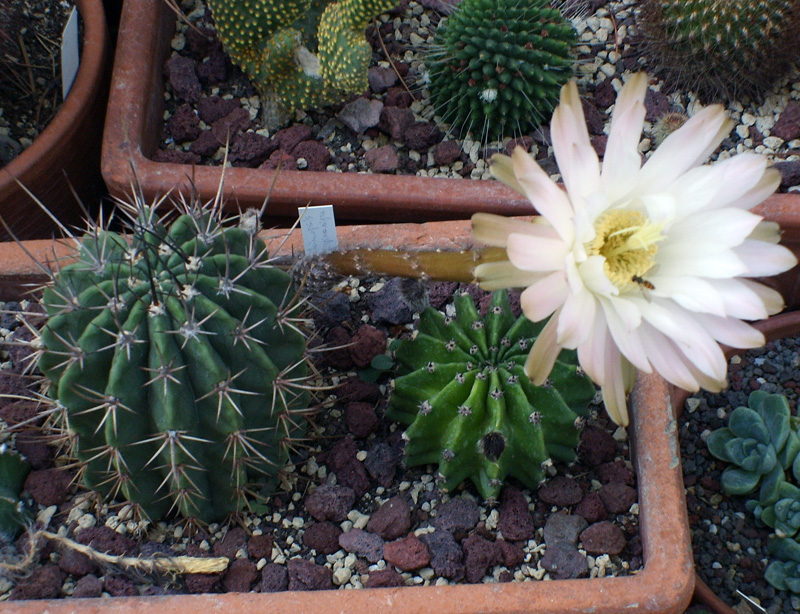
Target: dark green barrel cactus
721	49
471	409
176	363
497	66
13	471
307	53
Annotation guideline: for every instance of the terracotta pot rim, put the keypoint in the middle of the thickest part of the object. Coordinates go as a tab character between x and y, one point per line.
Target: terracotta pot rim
92	65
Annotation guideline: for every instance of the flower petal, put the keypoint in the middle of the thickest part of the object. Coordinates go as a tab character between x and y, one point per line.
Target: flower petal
764	259
614	387
494	229
498	275
543	297
690	292
502	170
544	352
746	299
575	319
731	332
530	253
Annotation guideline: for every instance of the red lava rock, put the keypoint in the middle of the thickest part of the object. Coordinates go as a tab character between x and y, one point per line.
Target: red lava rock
356	389
49	486
43	583
395	120
322	537
512	554
363	543
17	411
790	172
316	155
368	342
563	561
197	583
563	527
76	563
274	578
656	104
214	70
104	539
603	538
212	108
382	159
184	125
34	449
446	152
526	142
447	558
597	446
361	419
407	554
599	142
120	586
250	149
338	354
205	145
788	125
561	491
307	576
225	129
515	520
260	546
88	587
617	497
240	576
385	578
594	118
330	502
392	519
421	135
479	555
458	516
592	508
397	97
439	292
350	472
183	78
177	156
232	542
381	463
288	138
381	78
361	114
280	157
617	471
604	94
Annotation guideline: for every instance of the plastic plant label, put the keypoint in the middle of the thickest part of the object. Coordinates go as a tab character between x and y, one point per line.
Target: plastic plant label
70	59
319	229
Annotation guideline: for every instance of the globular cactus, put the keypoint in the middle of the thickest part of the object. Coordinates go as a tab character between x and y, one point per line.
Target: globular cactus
307	53
784	572
13	471
470	407
760	441
176	362
496	66
721	49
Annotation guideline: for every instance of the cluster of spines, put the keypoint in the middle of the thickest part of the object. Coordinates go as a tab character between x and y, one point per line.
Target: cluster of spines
176	362
496	67
470	408
720	50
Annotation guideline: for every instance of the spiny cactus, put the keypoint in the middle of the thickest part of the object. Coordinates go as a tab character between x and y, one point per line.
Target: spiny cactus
176	362
497	66
13	471
721	49
308	53
462	389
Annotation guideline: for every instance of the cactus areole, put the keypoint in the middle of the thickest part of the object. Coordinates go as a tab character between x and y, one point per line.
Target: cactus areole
175	364
471	408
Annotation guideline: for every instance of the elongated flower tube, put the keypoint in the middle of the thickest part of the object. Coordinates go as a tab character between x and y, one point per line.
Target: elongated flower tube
640	266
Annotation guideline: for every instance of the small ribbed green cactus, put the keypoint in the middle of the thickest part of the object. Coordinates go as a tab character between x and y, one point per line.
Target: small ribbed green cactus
176	362
497	66
307	53
472	410
721	49
13	471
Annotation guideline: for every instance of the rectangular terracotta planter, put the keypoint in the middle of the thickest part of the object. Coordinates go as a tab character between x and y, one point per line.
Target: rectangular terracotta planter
664	586
134	123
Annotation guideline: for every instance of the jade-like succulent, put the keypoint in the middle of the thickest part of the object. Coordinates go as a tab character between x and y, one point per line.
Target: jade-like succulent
496	66
721	49
13	471
760	441
784	572
176	362
307	53
471	409
779	510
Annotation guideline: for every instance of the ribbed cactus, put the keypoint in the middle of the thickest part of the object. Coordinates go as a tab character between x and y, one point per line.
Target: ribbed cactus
13	471
497	66
722	49
462	389
176	363
308	53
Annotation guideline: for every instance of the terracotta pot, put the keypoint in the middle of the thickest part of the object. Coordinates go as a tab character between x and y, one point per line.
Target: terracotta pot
786	324
67	152
664	586
134	125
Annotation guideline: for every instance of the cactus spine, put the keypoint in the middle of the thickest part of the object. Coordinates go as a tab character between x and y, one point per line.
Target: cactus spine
470	408
176	362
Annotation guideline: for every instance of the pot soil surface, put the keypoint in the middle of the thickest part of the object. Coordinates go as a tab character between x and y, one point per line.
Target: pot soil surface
349	514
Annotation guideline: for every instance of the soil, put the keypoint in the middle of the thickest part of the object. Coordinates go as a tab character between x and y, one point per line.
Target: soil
349	514
30	70
730	550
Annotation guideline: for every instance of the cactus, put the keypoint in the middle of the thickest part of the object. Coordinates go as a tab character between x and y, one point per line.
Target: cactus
275	43
760	441
721	49
666	125
784	572
497	66
462	389
13	471
176	362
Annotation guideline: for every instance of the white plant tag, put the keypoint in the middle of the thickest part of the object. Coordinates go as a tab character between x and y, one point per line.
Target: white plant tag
319	230
70	59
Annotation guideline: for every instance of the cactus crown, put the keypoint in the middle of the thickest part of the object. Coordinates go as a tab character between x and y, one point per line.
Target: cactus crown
720	49
275	42
175	362
496	67
462	389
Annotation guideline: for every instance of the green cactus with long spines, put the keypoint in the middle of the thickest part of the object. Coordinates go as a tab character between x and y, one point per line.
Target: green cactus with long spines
721	49
462	390
13	471
497	66
176	362
274	42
